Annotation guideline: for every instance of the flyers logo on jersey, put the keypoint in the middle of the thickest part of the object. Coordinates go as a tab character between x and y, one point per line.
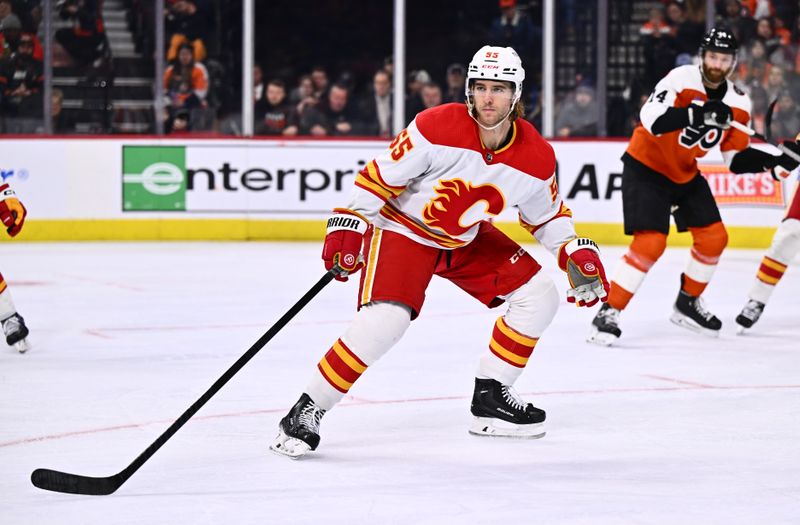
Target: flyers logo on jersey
455	198
705	137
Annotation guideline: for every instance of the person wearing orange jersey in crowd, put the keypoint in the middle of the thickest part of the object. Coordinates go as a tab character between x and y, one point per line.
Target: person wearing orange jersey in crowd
423	208
12	215
689	112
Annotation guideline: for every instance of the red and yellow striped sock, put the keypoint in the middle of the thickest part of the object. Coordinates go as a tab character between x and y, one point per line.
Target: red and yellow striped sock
341	367
511	346
770	271
3	284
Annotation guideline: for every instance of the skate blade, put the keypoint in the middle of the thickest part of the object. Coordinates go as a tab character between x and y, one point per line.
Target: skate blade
601	338
21	346
684	322
288	446
493	427
742	330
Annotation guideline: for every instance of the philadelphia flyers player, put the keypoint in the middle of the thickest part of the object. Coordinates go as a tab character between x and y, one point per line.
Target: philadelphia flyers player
12	214
688	113
422	209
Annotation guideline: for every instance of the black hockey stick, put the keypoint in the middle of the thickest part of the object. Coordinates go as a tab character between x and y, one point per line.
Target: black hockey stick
76	484
767	132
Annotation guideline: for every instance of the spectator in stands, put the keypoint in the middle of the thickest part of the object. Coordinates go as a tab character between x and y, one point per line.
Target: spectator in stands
21	78
737	18
10	35
786	119
62	122
765	32
687	32
431	95
304	89
514	28
332	116
375	108
185	25
179	122
259	91
84	42
5	9
659	47
456	78
578	116
414	104
274	115
776	82
185	82
319	78
30	12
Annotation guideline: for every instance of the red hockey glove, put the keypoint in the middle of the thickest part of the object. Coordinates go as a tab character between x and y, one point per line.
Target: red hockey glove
580	258
12	212
342	249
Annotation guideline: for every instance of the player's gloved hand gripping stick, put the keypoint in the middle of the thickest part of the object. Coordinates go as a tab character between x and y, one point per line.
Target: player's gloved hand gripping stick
12	212
580	258
342	249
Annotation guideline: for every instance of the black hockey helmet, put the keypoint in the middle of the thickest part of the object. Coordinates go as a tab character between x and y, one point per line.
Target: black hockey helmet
720	40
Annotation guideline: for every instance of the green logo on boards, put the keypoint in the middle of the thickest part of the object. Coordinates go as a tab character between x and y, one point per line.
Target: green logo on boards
153	178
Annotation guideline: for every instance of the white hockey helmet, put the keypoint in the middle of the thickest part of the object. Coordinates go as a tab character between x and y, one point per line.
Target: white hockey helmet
496	63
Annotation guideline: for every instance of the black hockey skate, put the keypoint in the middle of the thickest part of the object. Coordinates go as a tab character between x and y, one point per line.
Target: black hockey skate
499	411
298	431
750	314
689	312
15	331
605	326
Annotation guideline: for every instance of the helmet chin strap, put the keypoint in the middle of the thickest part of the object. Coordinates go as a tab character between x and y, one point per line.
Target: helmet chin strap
471	106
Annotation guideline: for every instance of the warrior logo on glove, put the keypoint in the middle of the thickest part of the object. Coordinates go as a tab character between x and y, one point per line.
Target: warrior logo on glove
342	248
580	258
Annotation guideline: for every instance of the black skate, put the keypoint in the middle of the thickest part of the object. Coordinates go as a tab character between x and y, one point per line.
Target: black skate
499	411
689	312
750	314
298	431
15	331
605	326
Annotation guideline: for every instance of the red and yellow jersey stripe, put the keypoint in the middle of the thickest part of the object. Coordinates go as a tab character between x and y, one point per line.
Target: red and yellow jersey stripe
369	178
393	214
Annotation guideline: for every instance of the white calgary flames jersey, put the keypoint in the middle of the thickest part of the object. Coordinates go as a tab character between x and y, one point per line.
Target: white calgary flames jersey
674	154
437	182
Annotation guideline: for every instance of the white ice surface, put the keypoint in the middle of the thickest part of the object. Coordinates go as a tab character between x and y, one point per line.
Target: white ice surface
668	427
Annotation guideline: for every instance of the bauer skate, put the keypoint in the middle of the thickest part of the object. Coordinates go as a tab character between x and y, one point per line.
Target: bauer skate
298	431
749	316
605	326
690	312
499	411
16	332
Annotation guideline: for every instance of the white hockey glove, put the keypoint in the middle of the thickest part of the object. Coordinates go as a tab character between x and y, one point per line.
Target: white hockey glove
580	258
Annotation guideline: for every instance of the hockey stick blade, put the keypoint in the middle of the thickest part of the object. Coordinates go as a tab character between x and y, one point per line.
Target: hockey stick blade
65	482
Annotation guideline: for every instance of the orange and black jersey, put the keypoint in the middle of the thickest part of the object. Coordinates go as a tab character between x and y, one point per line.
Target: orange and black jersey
674	154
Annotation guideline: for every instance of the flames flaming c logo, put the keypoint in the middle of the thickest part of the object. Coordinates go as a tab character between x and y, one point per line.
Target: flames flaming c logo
455	198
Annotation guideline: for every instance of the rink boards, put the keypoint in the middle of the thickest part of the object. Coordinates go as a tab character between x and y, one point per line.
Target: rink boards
238	189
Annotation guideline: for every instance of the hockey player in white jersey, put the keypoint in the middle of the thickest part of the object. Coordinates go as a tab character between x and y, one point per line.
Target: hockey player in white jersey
785	246
422	209
12	215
